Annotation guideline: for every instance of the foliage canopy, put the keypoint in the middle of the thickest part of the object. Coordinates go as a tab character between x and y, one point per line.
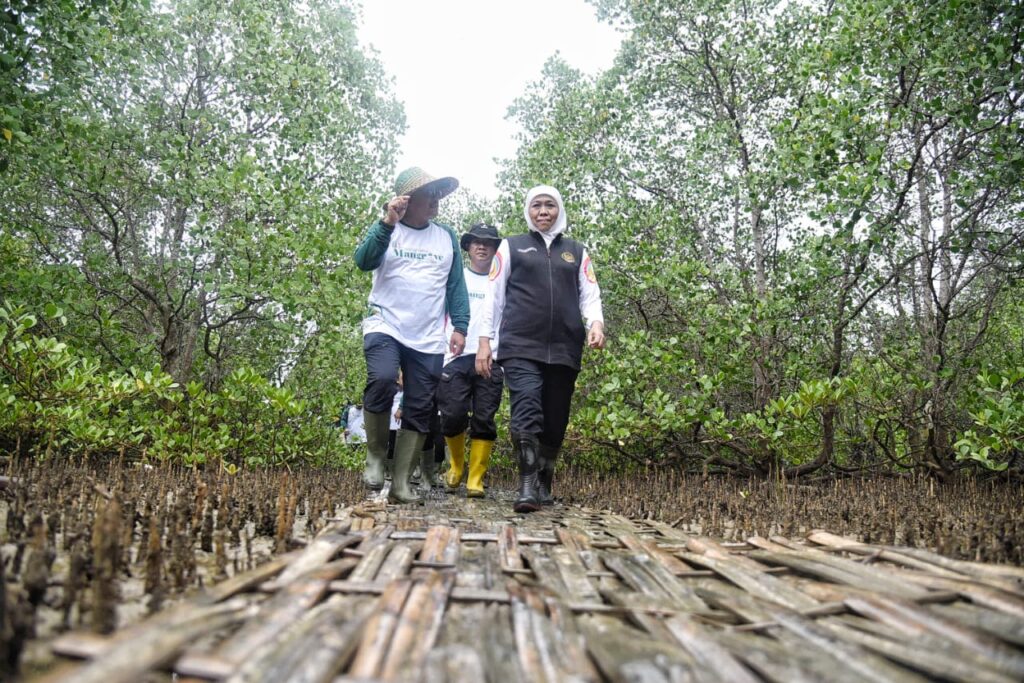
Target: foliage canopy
806	217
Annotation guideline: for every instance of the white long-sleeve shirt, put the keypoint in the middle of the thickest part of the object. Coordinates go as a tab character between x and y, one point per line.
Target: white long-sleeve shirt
590	292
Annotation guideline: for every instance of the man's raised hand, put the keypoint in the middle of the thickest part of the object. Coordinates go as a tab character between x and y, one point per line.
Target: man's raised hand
395	209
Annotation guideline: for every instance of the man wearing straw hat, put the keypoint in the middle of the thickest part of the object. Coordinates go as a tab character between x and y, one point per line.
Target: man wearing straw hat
417	280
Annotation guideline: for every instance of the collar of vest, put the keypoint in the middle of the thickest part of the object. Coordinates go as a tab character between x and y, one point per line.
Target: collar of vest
535	234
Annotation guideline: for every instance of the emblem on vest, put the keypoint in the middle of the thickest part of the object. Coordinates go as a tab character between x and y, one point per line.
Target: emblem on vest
568	257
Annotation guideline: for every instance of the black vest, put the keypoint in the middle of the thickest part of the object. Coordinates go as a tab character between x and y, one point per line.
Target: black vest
542	320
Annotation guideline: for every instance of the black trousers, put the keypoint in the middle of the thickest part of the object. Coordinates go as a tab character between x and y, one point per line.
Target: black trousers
435	441
420	372
468	399
541	395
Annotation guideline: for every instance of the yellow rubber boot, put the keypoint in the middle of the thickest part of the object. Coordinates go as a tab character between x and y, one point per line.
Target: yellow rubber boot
457	450
479	458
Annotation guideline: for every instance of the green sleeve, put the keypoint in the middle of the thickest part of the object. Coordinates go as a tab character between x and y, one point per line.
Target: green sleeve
370	253
456	296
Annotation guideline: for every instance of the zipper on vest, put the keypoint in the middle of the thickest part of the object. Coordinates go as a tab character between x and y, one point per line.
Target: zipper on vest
551	304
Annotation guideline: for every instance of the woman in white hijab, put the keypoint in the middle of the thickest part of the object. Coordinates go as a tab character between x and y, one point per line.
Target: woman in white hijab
545	305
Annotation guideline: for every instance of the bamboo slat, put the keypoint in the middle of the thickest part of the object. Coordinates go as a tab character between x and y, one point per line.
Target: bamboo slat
322	549
643	619
377	634
849	655
574	575
1007	578
777	663
663	568
711	548
456	663
974	591
278	613
499	645
158	641
540	645
371	562
1005	626
314	649
441	546
935	662
761	584
397	564
417	628
915	619
241	583
841	571
707	651
623	654
508	549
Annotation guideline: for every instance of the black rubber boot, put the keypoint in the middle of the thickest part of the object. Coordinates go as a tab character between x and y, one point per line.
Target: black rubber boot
527	448
545	473
428	469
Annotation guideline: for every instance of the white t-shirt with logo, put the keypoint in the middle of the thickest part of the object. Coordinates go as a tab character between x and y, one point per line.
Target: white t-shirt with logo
477	286
407	300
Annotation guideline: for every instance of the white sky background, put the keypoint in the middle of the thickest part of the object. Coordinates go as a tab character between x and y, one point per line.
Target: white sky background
459	64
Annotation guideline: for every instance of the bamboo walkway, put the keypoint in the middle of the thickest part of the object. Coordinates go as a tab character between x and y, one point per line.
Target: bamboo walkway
464	590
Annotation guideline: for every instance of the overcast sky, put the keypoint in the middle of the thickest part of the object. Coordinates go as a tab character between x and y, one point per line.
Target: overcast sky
458	64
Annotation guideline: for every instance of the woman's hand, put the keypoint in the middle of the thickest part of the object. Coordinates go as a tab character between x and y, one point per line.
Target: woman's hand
595	338
483	358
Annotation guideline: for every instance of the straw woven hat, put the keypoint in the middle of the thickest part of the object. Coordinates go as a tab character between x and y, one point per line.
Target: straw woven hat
416	179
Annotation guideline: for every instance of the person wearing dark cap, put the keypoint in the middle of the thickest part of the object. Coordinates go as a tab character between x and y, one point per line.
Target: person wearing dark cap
418	283
464	397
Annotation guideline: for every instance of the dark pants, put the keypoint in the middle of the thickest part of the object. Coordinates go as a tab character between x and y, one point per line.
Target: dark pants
435	441
461	392
541	395
420	372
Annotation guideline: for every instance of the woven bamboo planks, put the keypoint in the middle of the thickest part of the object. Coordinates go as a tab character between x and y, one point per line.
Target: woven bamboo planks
464	591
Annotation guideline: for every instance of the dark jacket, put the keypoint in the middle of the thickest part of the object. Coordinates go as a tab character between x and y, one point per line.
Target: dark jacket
541	320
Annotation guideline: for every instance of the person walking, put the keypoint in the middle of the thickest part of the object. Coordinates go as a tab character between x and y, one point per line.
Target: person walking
351	424
544	303
465	397
417	280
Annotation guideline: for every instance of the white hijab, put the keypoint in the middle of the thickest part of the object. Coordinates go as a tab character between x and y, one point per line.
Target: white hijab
560	222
